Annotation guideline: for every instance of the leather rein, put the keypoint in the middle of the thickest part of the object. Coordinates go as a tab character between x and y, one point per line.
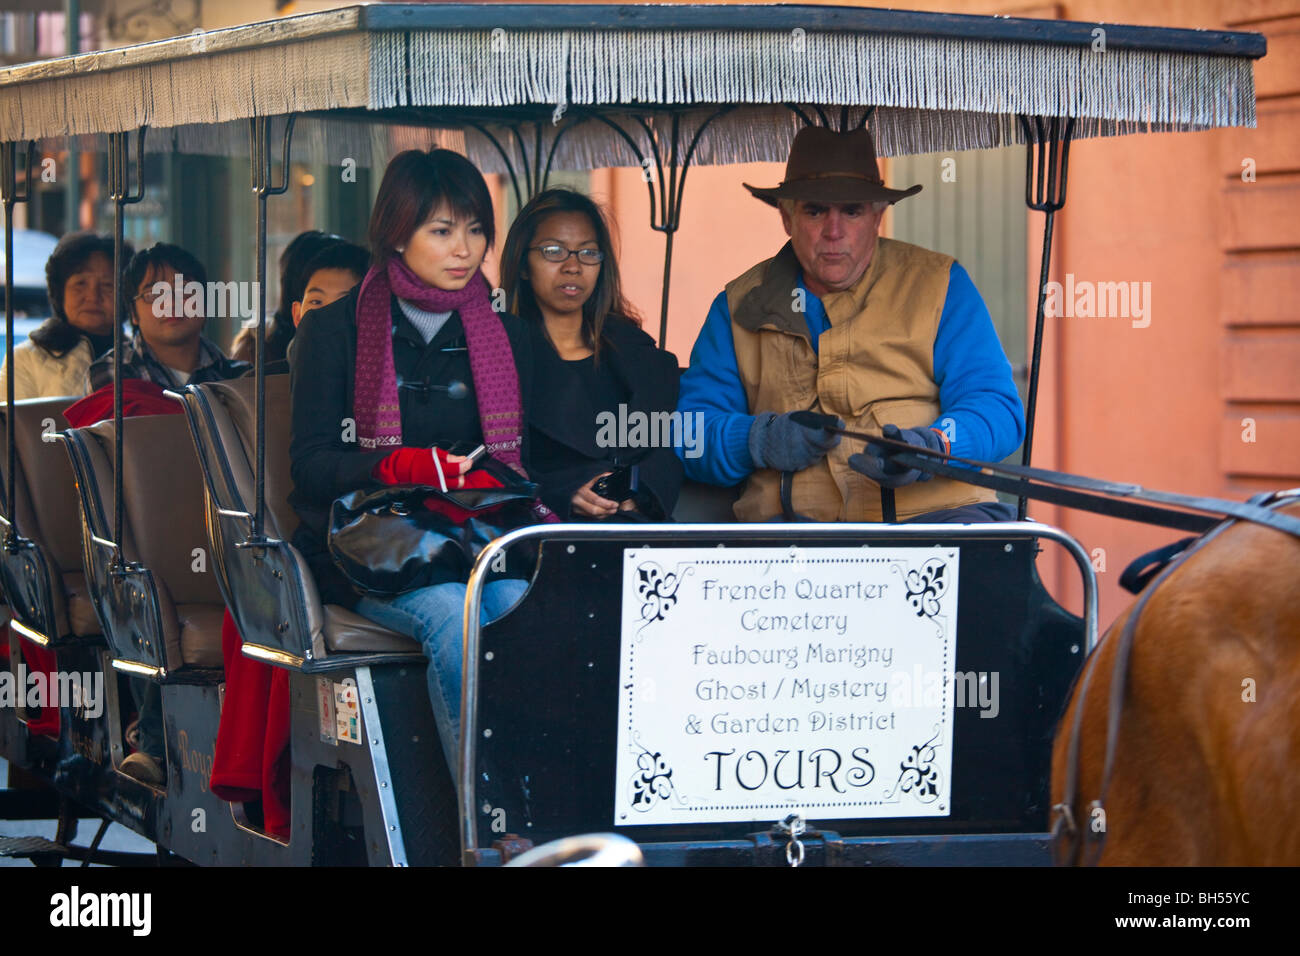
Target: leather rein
1076	491
1091	494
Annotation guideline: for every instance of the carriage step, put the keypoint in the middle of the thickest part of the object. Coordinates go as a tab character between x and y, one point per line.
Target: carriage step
25	847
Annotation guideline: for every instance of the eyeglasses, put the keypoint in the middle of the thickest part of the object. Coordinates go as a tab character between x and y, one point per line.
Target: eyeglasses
557	253
148	298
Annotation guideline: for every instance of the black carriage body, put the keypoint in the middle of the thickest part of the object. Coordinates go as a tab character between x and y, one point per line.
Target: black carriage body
544	749
344	799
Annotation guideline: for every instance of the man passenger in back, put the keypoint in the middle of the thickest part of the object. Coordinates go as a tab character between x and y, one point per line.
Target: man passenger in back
883	335
168	347
168	350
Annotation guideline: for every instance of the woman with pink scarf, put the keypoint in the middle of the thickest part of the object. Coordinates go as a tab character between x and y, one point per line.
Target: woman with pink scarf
398	381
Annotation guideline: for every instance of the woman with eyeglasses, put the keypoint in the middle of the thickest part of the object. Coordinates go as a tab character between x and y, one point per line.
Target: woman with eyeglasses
602	419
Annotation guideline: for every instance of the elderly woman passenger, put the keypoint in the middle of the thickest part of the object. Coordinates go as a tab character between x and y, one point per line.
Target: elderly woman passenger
54	361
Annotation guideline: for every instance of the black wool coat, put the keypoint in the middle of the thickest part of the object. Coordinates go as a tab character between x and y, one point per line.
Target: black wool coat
560	409
325	464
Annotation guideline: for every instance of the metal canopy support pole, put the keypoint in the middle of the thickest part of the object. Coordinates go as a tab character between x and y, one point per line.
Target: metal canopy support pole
122	196
1047	148
536	172
72	177
806	120
670	191
505	158
263	186
11	197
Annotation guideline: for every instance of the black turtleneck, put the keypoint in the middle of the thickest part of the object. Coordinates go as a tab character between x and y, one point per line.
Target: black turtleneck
99	344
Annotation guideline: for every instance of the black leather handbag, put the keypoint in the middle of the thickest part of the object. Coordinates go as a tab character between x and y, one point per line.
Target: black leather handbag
386	541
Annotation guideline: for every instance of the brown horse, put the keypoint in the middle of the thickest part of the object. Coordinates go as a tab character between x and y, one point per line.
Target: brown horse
1206	766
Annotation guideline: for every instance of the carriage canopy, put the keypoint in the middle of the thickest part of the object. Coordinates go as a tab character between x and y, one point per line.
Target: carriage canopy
462	75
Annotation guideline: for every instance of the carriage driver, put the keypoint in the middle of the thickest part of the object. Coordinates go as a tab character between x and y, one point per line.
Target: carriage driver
881	334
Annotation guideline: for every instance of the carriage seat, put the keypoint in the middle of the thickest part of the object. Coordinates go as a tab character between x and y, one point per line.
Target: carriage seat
222	416
163	530
348	632
82	618
51	519
699	503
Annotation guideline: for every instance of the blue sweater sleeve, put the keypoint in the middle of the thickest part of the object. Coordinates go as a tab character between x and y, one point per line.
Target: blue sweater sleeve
711	390
981	410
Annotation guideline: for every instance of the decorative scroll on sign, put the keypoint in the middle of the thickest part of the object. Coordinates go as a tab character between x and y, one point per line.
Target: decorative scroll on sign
756	682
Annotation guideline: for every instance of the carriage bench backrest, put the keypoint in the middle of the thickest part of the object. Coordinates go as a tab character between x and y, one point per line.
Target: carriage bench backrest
166	611
54	602
699	503
296	626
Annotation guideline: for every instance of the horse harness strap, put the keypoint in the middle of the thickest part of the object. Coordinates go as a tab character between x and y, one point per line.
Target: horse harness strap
1145	567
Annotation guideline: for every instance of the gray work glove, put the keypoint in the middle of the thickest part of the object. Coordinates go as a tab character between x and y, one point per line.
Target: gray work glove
777	442
877	466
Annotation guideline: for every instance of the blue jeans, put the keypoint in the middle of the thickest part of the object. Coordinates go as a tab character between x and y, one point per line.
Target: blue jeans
434	617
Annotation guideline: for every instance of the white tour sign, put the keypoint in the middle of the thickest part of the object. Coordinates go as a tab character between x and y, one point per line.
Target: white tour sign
757	682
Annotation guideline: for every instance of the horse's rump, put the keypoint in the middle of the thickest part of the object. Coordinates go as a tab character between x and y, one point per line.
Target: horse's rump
1207	759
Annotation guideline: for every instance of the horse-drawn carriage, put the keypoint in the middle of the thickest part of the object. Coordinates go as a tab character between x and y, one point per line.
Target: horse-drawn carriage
718	693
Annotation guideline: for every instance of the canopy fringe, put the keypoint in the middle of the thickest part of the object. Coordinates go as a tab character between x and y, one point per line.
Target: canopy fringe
745	135
931	94
983	76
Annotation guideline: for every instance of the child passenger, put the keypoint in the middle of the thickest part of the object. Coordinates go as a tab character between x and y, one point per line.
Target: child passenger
329	275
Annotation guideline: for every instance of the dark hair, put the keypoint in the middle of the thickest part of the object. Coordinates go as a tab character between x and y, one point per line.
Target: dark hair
415	184
342	254
293	264
606	298
161	254
279	325
56	334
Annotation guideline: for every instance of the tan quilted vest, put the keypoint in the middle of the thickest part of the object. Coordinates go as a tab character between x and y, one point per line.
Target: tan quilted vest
875	367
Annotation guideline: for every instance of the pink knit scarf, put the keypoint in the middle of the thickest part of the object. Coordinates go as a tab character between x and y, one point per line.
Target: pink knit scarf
496	380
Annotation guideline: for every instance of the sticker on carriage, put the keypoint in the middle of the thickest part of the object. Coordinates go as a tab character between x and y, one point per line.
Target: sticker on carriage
756	682
325	710
347	710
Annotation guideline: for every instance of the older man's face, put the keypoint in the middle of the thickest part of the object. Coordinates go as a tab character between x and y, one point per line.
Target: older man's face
834	242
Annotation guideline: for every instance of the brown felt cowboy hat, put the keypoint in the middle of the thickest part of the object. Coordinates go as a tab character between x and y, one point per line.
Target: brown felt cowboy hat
826	166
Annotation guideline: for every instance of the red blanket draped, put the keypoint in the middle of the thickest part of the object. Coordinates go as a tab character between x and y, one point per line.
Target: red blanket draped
252	757
40	720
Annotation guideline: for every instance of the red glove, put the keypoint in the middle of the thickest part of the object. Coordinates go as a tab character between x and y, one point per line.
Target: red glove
415	466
